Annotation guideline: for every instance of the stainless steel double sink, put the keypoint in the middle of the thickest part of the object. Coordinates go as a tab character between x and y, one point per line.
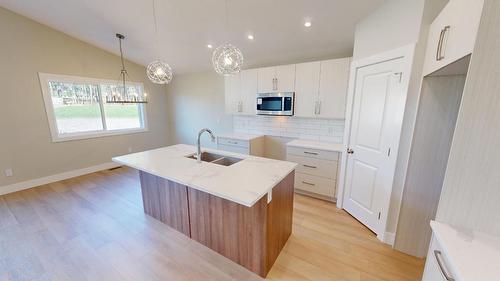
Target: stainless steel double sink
216	158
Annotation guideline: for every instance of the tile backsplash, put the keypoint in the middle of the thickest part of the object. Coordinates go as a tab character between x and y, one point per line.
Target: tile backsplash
291	127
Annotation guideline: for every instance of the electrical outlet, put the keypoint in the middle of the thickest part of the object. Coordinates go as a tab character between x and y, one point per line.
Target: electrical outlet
130	149
9	173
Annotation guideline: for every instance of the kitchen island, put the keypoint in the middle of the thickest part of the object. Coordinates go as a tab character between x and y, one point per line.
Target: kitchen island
238	205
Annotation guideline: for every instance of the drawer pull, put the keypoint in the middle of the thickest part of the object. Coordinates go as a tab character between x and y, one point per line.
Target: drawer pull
308	183
440	262
309	166
311	153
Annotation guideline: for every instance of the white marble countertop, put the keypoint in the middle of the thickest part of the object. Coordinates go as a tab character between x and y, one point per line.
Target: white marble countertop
239	136
337	147
472	255
244	182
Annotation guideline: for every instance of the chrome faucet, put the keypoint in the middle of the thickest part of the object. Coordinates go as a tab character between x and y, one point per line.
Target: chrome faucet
198	156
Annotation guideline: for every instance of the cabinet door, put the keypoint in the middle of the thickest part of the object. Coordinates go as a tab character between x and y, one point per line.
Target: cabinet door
452	34
333	83
249	83
233	94
266	76
306	88
285	75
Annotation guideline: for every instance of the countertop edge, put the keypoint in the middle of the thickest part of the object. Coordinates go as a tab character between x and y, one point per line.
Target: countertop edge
246	204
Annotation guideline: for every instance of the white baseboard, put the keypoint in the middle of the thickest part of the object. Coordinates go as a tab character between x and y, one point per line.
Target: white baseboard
389	238
54	178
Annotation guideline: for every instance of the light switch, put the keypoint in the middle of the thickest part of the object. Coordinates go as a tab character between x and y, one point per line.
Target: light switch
9	173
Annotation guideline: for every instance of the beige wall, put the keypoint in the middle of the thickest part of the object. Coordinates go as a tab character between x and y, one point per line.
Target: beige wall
196	101
27	48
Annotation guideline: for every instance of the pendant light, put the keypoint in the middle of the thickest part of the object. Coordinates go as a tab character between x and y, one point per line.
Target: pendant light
227	59
125	96
158	71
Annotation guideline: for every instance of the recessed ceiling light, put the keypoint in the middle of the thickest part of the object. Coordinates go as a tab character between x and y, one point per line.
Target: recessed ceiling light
210	46
250	36
307	24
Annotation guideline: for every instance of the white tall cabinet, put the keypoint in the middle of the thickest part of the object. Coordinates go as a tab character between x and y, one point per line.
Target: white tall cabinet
307	88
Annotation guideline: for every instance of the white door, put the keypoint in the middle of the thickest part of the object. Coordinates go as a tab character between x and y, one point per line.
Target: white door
232	85
267	79
333	84
377	102
285	78
306	88
249	91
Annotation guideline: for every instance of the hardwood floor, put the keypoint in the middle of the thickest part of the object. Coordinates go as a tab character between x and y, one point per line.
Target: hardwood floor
93	228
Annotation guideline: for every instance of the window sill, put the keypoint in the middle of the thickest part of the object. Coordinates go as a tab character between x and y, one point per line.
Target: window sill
96	134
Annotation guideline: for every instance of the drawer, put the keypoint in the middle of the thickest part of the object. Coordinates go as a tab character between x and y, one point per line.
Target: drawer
314	166
434	270
235	149
315	184
313	153
233	142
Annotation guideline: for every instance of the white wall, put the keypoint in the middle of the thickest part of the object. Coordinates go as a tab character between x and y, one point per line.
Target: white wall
394	24
196	101
26	146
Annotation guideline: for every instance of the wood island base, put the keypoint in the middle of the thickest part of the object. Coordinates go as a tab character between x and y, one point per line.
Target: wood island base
250	236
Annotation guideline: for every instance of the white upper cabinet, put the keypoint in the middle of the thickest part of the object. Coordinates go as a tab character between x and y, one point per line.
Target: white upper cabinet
285	78
266	79
276	79
306	88
452	34
333	83
233	94
249	83
240	92
320	88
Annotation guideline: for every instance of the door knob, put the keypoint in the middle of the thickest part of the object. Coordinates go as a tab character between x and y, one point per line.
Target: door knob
350	151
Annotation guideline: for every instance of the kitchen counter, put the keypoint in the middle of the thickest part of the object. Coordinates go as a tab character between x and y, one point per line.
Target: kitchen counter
244	182
472	255
335	147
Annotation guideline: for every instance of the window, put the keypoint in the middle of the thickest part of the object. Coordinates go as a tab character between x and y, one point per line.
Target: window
77	109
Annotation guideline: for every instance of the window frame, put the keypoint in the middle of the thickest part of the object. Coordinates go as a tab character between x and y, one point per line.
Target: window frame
46	78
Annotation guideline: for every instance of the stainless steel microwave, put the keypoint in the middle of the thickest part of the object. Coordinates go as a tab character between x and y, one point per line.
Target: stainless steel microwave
276	104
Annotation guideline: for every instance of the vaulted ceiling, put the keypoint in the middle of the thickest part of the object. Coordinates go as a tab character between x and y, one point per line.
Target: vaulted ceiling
186	27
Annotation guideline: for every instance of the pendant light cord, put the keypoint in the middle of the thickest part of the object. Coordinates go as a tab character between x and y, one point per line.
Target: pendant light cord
156	28
124	71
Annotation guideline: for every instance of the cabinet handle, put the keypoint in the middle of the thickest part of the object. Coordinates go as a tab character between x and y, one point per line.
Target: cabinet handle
240	106
308	183
309	166
445	32
438	50
319	107
311	153
316	108
276	84
440	262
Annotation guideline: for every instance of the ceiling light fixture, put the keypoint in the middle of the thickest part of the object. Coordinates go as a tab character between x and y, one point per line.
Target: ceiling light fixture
125	96
307	24
227	59
158	71
210	46
250	36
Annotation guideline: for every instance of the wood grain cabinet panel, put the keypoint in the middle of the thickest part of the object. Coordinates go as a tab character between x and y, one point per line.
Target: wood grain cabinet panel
165	201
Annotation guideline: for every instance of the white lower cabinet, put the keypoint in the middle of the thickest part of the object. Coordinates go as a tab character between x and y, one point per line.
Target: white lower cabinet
243	144
316	172
436	265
